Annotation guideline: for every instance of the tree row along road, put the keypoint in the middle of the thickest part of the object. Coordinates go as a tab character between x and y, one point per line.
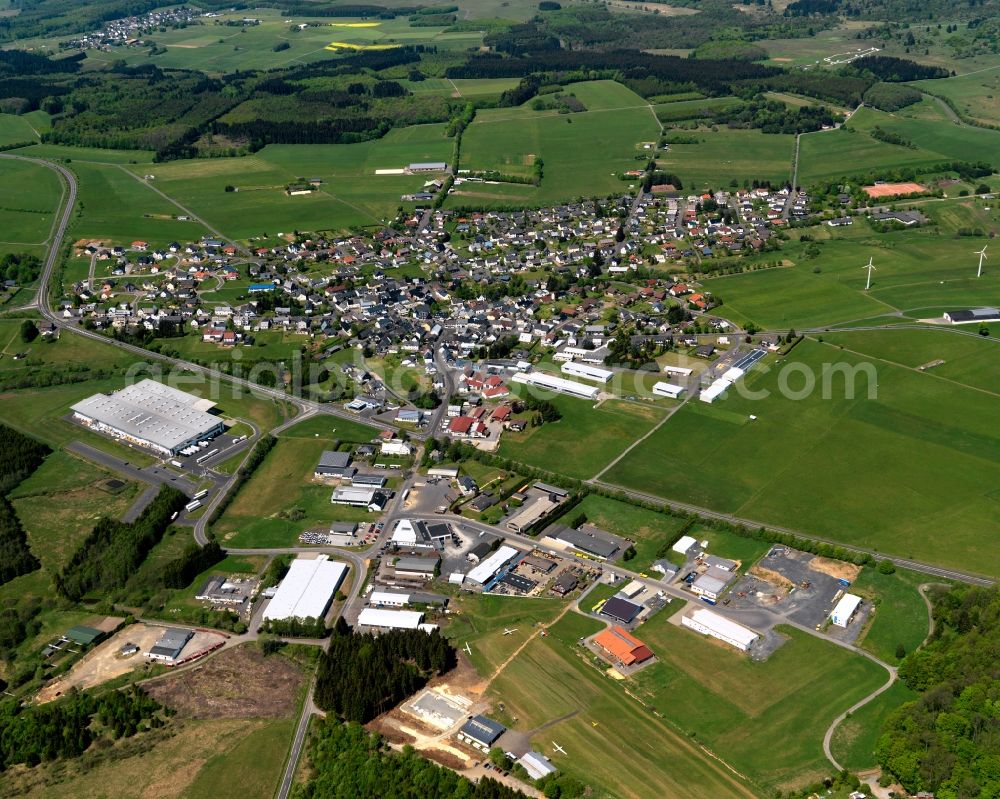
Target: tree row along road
308	407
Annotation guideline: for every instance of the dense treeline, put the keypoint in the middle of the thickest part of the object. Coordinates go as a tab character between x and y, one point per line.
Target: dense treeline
20	455
891	96
773	116
32	734
22	268
114	550
898	70
711	76
349	761
16	557
23	62
295	627
179	572
362	675
947	741
843	89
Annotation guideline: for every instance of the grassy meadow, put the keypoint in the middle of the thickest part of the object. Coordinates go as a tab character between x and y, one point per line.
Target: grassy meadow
584	440
31	197
976	95
911	473
724	155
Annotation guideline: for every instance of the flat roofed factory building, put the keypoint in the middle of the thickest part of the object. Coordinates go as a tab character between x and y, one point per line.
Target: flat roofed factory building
169	646
307	590
151	415
390	619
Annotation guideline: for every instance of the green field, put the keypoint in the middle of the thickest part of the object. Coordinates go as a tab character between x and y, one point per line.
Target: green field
600	727
261	514
63	152
853	743
739	708
351	194
16	129
919	274
900	613
586	438
583	153
976	95
724	155
60	503
851	150
890	473
116	206
31	196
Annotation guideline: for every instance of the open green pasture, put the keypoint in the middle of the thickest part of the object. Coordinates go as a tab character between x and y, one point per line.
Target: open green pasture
852	150
919	274
968	359
723	699
725	154
604	95
976	95
64	152
900	612
351	193
583	153
584	440
60	503
116	206
29	199
854	740
554	691
911	473
16	129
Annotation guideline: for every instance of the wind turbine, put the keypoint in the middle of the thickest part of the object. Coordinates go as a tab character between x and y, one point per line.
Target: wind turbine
982	257
871	268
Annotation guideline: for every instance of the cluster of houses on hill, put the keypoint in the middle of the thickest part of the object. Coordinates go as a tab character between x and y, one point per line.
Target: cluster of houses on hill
131	30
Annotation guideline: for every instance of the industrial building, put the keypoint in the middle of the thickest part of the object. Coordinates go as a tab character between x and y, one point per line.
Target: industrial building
586	371
535	510
680	371
845	610
707	622
370	498
671	390
151	415
391	619
487	569
712	582
480	732
622	646
621	610
557	384
307	590
411	567
400	599
169	646
334	464
416	533
588	543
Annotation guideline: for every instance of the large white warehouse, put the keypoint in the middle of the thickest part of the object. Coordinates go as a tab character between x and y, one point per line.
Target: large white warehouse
706	622
390	619
672	390
307	590
586	371
489	567
151	415
558	384
845	609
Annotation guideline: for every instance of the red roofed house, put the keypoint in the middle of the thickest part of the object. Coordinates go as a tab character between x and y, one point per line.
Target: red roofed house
467	427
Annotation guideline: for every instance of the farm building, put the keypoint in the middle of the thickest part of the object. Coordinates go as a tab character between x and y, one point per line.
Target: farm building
973	316
622	646
621	610
169	645
586	371
557	384
480	732
671	390
487	569
537	765
845	610
369	481
83	635
428	166
391	619
307	590
334	464
370	498
151	415
707	622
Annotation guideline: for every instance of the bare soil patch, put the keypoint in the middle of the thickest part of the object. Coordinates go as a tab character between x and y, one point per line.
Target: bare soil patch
238	683
837	569
772	577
